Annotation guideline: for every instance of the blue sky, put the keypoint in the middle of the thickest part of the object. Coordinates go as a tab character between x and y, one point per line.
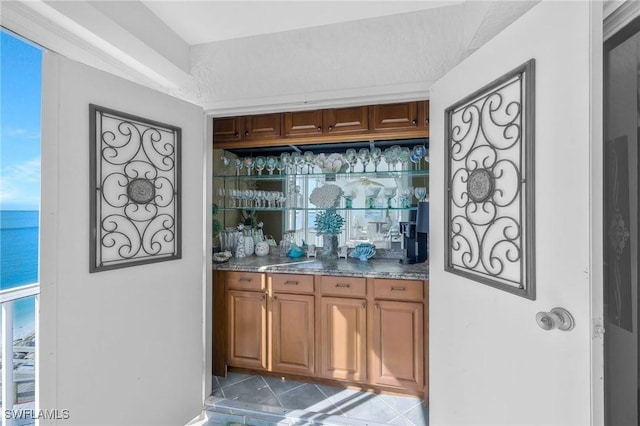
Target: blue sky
20	93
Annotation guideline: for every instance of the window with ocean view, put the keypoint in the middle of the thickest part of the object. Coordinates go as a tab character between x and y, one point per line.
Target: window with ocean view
20	63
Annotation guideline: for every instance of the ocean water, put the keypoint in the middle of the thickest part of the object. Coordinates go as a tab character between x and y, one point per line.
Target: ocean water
19	231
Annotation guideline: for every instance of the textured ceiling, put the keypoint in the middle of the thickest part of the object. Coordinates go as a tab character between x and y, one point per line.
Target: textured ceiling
199	22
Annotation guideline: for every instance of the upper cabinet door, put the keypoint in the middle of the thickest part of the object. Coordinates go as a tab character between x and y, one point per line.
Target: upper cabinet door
346	120
303	123
227	129
484	340
403	116
263	126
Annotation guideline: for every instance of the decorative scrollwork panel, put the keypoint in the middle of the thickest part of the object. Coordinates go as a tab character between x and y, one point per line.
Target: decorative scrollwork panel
135	190
489	169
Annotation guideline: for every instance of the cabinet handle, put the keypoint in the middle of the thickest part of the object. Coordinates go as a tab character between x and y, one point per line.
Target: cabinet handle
319	128
426	121
330	127
398	289
248	280
364	305
414	122
236	134
377	306
291	283
261	297
246	133
343	285
275	297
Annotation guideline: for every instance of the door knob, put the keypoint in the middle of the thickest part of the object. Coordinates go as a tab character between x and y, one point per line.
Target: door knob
558	318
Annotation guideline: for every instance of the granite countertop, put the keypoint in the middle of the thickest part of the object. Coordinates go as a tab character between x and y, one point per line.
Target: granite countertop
376	268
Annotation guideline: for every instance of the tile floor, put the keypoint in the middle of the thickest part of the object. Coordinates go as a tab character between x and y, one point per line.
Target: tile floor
260	400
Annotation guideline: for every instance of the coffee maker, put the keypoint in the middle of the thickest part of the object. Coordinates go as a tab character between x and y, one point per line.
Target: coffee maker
415	235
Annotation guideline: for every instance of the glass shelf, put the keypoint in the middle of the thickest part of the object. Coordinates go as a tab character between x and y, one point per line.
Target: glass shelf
342	175
285	209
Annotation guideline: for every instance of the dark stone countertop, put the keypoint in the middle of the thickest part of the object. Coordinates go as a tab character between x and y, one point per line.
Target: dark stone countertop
376	268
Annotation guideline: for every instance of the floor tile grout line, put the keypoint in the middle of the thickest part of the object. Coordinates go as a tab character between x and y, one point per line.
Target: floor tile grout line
341	413
401	417
392	408
273	393
412	407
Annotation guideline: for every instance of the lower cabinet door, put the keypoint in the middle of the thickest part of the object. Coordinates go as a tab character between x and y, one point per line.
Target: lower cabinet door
293	334
247	317
398	344
343	338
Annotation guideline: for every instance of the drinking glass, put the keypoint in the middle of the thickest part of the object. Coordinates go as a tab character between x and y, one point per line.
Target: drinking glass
403	157
376	156
260	163
391	158
389	192
406	195
296	159
225	161
417	153
280	166
371	193
249	162
238	163
364	157
285	158
272	163
348	195
260	198
308	158
420	192
352	158
221	194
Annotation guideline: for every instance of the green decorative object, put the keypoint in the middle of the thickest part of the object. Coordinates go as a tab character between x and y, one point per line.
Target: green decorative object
329	225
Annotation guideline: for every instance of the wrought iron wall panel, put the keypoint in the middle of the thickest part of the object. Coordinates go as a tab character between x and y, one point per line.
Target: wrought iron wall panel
490	175
135	190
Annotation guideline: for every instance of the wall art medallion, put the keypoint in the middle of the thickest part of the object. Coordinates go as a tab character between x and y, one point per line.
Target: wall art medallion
135	190
489	173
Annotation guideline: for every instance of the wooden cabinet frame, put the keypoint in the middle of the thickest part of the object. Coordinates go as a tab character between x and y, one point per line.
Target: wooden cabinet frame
305	348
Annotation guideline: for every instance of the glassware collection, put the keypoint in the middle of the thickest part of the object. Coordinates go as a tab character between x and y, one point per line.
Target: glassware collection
362	161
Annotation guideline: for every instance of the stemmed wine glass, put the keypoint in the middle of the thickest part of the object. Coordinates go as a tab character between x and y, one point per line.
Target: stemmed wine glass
272	162
389	192
406	194
376	156
417	153
280	166
371	193
249	162
352	158
260	163
225	162
403	156
295	161
238	163
364	157
391	158
308	158
421	193
221	194
285	159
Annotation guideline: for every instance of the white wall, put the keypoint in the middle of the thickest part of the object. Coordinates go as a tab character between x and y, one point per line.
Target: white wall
125	346
490	363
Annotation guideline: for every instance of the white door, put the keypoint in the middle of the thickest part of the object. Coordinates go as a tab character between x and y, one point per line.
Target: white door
490	362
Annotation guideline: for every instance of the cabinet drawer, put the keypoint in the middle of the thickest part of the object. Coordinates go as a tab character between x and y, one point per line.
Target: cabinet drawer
344	286
245	280
398	289
292	283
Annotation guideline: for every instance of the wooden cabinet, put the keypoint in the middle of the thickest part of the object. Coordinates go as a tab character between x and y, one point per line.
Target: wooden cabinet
343	338
398	342
399	117
227	129
332	125
263	126
292	333
303	123
335	121
362	330
247	321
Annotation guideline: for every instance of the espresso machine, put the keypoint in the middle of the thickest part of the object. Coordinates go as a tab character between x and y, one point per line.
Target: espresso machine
415	235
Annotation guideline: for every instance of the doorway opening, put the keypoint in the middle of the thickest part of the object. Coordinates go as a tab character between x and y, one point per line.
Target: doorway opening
622	225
